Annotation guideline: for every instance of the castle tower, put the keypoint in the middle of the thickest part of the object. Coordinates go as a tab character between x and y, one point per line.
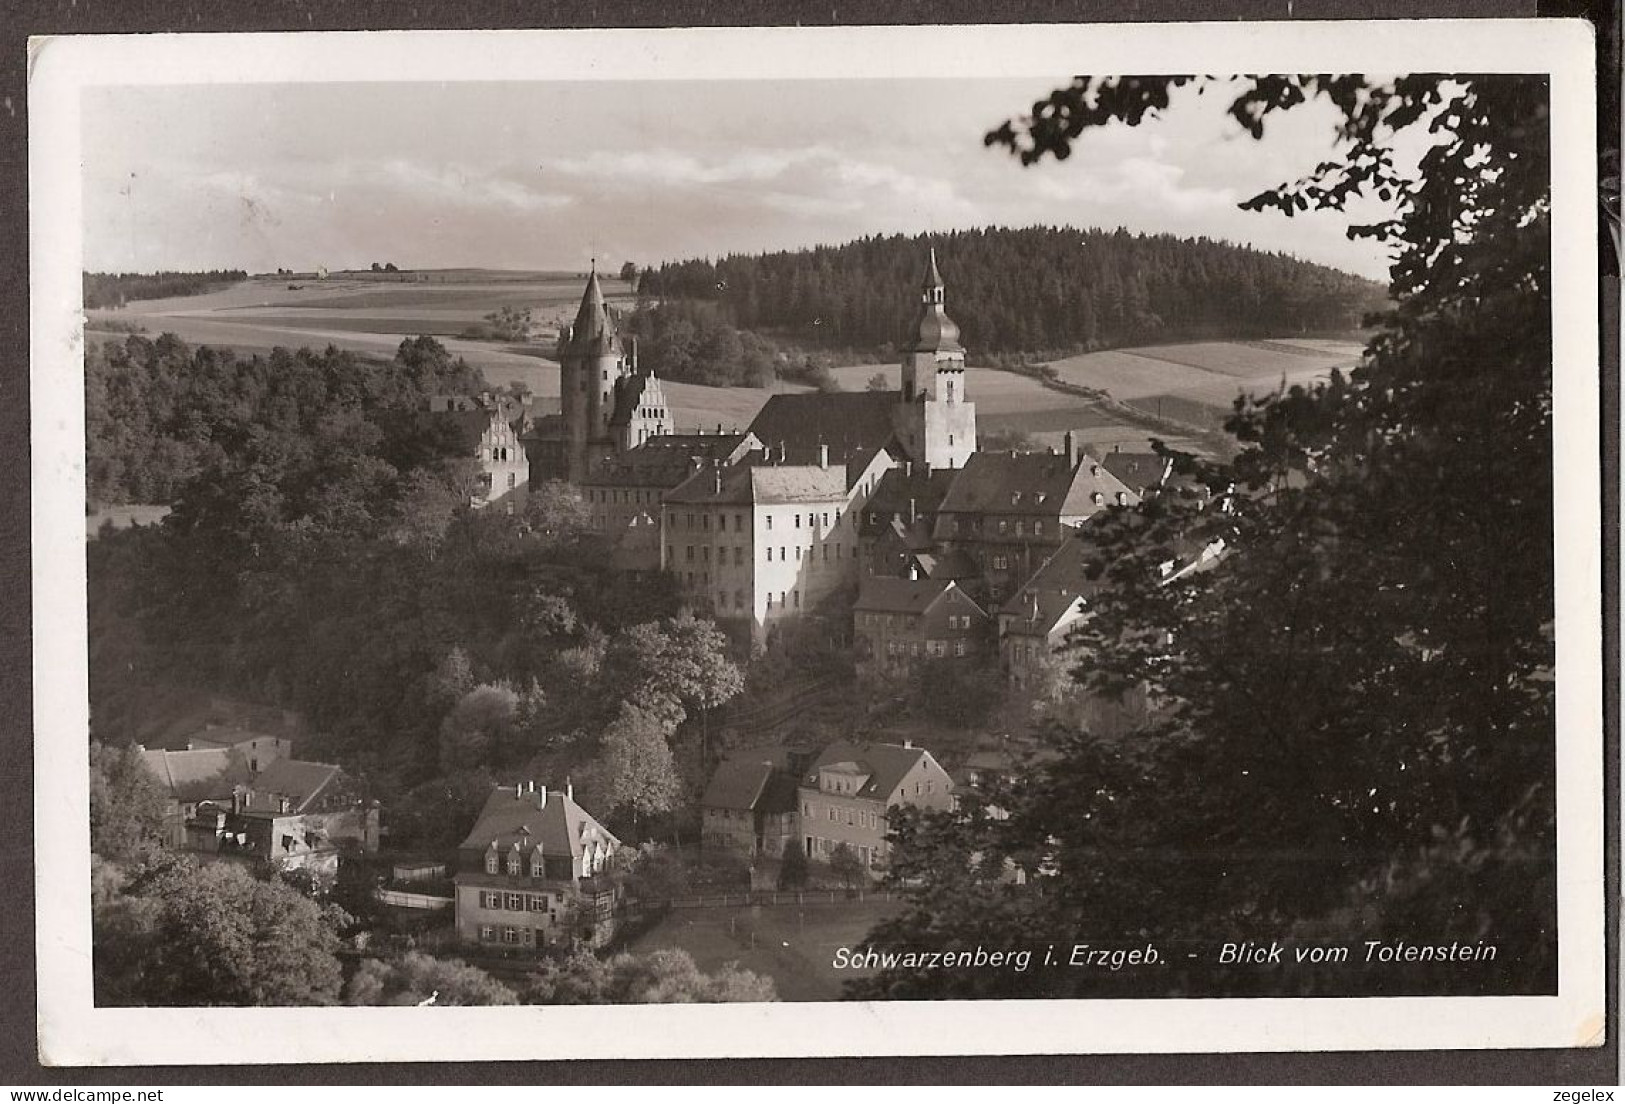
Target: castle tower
591	362
935	421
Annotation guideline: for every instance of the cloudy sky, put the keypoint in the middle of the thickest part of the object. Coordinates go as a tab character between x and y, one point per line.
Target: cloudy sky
547	175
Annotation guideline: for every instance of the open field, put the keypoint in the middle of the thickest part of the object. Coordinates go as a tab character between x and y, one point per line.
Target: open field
792	945
371	315
368	313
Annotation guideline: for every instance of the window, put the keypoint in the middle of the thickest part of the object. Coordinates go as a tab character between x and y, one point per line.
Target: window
961	648
739	555
770	523
832	812
538	902
510	935
513	480
798	521
705	522
491	862
825	521
782	603
705	553
937	648
688	553
782	556
526	936
797	594
516	902
488	934
536	864
1021	528
1004	527
1038	528
490	900
849	817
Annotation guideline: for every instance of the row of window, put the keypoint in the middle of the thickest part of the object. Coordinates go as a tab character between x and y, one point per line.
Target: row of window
855	818
517	902
513	937
937	648
818	845
621	496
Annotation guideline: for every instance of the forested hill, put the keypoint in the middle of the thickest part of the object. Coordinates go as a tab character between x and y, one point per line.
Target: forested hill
1040	288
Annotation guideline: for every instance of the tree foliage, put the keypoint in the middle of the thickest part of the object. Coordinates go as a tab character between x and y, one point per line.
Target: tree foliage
175	933
658	977
419	979
1021	290
126	804
1354	730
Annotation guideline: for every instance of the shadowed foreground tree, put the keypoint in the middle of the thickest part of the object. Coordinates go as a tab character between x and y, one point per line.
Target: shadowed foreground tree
176	934
1355	732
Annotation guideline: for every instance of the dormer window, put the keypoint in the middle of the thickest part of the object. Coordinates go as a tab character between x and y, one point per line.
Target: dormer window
491	865
513	865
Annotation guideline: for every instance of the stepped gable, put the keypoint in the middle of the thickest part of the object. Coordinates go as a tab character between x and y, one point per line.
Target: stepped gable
855	425
629	392
531	818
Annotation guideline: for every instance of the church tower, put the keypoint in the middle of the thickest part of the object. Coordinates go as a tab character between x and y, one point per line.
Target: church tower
936	423
591	363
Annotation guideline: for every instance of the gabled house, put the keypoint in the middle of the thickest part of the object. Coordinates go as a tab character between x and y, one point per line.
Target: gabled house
899	623
1035	620
1008	511
294	814
750	804
533	871
193	778
849	793
492	428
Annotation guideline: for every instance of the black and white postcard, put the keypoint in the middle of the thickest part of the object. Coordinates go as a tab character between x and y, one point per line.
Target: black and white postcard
843	541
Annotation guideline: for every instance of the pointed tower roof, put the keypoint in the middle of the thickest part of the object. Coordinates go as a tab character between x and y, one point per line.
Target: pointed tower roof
933	331
594	329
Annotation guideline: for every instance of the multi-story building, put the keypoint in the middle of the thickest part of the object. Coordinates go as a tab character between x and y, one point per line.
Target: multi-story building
493	427
293	814
898	522
609	405
899	623
936	424
750	804
1008	511
532	871
770	536
623	493
849	793
1035	620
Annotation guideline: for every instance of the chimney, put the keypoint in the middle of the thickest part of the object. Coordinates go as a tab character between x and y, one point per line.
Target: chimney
908	469
909	744
542	804
718	476
719	429
569	789
911	513
823	455
1069	444
634	354
784	452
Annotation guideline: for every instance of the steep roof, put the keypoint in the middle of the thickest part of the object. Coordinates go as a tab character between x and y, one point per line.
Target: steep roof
854	424
756	785
885	764
300	781
1139	471
594	331
910	483
535	818
759	478
1027	483
201	775
1040	603
667	460
878	594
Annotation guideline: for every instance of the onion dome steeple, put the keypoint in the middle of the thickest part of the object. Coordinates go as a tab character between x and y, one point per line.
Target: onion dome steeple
933	330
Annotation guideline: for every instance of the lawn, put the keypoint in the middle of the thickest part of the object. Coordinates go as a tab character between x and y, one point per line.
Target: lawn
793	945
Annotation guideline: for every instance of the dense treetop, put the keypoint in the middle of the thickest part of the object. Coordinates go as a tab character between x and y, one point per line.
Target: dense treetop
114	289
1025	290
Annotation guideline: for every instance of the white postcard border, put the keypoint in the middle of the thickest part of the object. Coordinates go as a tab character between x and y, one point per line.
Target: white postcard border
73	1031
